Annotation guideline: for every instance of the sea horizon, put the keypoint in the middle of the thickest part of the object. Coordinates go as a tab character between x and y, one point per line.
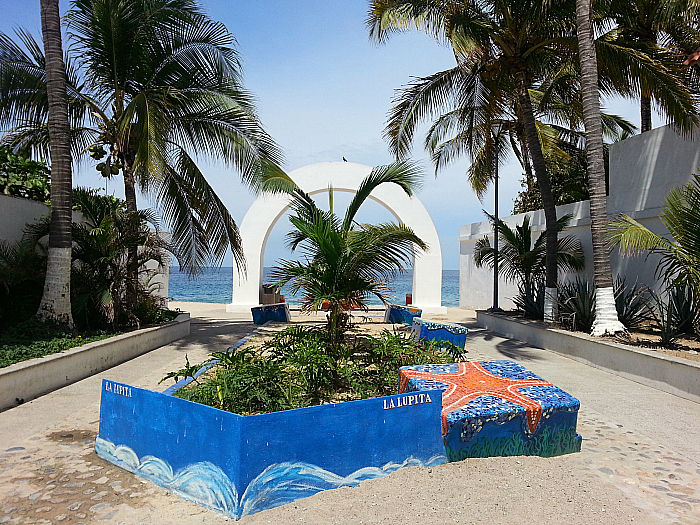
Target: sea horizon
215	285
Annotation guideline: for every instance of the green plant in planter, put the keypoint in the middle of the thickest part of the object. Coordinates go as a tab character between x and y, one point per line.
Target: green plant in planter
632	304
294	369
346	262
577	302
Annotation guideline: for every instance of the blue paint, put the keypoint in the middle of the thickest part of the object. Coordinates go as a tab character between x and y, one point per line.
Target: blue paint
243	464
434	331
398	314
493	422
271	312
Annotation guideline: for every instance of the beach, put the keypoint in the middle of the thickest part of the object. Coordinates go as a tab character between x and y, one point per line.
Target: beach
638	463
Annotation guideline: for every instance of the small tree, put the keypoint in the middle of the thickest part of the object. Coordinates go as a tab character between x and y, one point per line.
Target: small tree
522	261
346	262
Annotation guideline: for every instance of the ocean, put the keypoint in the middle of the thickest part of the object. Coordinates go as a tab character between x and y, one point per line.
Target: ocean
214	285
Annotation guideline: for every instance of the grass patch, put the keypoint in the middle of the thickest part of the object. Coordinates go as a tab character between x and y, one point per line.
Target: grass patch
294	369
32	339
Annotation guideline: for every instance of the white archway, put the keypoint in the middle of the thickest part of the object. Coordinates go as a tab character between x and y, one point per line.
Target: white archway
342	176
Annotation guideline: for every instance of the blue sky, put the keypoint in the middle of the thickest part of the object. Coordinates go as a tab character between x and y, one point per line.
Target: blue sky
323	92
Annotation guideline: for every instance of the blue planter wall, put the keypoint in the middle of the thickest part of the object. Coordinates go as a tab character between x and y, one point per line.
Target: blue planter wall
240	465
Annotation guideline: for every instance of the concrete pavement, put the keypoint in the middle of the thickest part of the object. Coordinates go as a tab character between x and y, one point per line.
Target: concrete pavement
643	442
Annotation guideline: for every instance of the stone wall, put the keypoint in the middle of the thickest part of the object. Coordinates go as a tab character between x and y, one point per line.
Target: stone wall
643	169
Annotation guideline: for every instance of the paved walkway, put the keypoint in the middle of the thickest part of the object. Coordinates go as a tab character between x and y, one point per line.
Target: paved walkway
640	441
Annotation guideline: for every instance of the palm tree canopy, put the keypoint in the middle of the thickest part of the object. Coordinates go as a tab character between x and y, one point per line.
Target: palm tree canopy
158	84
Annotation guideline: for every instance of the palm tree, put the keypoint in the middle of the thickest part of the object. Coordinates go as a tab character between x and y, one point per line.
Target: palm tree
55	306
664	31
606	320
153	83
680	256
521	260
346	262
500	48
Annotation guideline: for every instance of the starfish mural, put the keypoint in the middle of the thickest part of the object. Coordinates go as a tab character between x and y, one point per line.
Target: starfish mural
472	380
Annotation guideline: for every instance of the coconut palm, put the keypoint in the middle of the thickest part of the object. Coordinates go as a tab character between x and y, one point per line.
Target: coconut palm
664	31
500	47
680	255
55	305
606	318
346	262
153	85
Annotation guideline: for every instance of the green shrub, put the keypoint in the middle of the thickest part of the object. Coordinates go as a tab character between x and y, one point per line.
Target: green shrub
294	369
31	339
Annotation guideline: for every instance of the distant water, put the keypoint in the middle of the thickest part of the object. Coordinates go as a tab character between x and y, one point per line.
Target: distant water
214	285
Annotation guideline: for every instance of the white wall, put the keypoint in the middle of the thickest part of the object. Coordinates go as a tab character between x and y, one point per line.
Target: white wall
17	212
643	169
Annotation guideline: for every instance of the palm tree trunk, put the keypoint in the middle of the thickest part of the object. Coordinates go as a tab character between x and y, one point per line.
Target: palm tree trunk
55	303
606	321
645	110
132	269
551	308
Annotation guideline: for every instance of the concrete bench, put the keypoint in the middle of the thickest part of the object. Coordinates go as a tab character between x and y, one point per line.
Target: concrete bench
497	408
396	313
271	312
434	331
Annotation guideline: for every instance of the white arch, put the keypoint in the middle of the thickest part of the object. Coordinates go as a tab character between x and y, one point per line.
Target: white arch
342	176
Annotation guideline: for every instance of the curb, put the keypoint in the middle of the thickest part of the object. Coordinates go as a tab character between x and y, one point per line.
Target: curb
30	379
665	373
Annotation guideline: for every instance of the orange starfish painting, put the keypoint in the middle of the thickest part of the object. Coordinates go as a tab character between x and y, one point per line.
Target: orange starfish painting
471	381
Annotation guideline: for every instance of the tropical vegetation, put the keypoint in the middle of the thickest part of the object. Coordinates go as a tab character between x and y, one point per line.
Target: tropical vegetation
346	262
100	282
149	82
517	61
294	369
22	177
679	263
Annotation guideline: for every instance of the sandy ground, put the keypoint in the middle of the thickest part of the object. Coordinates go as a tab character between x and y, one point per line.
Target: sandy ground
639	461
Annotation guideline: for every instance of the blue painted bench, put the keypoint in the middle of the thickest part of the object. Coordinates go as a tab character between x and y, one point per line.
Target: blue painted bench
398	314
497	408
434	331
271	312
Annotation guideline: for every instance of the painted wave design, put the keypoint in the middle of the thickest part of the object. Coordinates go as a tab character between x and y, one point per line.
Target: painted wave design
206	484
203	483
286	482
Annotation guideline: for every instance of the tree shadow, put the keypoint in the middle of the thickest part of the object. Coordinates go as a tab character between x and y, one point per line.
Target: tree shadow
509	348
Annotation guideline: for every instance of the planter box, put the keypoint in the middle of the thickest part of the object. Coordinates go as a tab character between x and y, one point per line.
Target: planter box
271	312
396	313
434	331
30	379
497	408
665	373
240	465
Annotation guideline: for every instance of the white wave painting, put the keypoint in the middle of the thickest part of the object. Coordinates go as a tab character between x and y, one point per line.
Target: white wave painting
207	485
